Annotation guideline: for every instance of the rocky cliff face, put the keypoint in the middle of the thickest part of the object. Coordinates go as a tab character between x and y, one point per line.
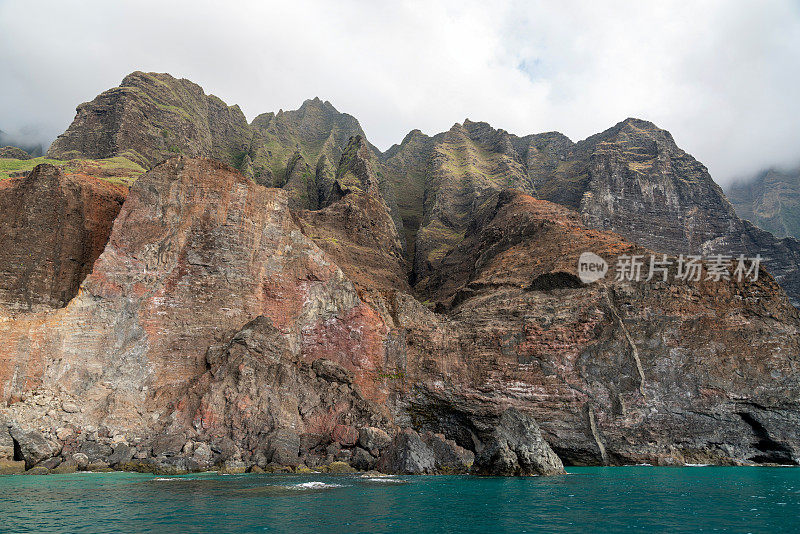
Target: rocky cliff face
770	200
642	186
614	372
213	330
53	228
153	344
412	311
301	149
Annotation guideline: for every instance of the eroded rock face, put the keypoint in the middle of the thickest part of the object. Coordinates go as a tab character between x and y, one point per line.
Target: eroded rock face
300	149
358	233
264	397
52	229
197	251
155	340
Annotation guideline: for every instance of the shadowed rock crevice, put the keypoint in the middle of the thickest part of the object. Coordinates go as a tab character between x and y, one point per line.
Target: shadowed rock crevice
17	451
438	415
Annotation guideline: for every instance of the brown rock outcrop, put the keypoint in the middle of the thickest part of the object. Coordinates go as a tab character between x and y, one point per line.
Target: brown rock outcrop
53	228
197	251
359	235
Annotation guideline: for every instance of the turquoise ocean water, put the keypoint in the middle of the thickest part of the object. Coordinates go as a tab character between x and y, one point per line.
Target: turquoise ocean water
613	499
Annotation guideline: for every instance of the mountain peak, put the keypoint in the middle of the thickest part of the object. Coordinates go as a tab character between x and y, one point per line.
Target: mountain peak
318	104
638	123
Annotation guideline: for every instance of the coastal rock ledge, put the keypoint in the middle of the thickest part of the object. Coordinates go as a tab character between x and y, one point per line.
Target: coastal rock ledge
209	326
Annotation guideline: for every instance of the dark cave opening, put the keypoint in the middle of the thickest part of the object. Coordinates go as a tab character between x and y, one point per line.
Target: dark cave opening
555	280
773	452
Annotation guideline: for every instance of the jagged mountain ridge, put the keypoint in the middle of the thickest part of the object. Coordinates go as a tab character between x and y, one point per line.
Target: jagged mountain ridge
632	178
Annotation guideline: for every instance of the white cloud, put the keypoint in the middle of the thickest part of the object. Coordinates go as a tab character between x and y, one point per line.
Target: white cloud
721	76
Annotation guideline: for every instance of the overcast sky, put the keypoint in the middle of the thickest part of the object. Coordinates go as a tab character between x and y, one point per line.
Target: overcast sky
722	76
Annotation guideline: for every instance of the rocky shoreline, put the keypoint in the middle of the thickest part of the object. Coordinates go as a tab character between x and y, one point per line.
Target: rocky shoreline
346	450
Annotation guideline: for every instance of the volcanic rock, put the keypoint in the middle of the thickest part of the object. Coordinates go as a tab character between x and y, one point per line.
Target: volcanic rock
449	457
373	439
33	446
95	451
122	453
81	460
65	468
358	233
210	307
517	448
331	371
345	435
407	455
38	470
362	460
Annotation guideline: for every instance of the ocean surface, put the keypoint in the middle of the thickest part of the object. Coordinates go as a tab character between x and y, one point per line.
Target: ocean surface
611	499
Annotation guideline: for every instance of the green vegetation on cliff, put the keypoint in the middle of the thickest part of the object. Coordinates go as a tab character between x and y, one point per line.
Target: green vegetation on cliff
13	167
116	170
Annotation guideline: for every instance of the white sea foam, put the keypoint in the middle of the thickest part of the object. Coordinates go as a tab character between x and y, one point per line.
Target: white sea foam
382	480
166	479
314	485
697	465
